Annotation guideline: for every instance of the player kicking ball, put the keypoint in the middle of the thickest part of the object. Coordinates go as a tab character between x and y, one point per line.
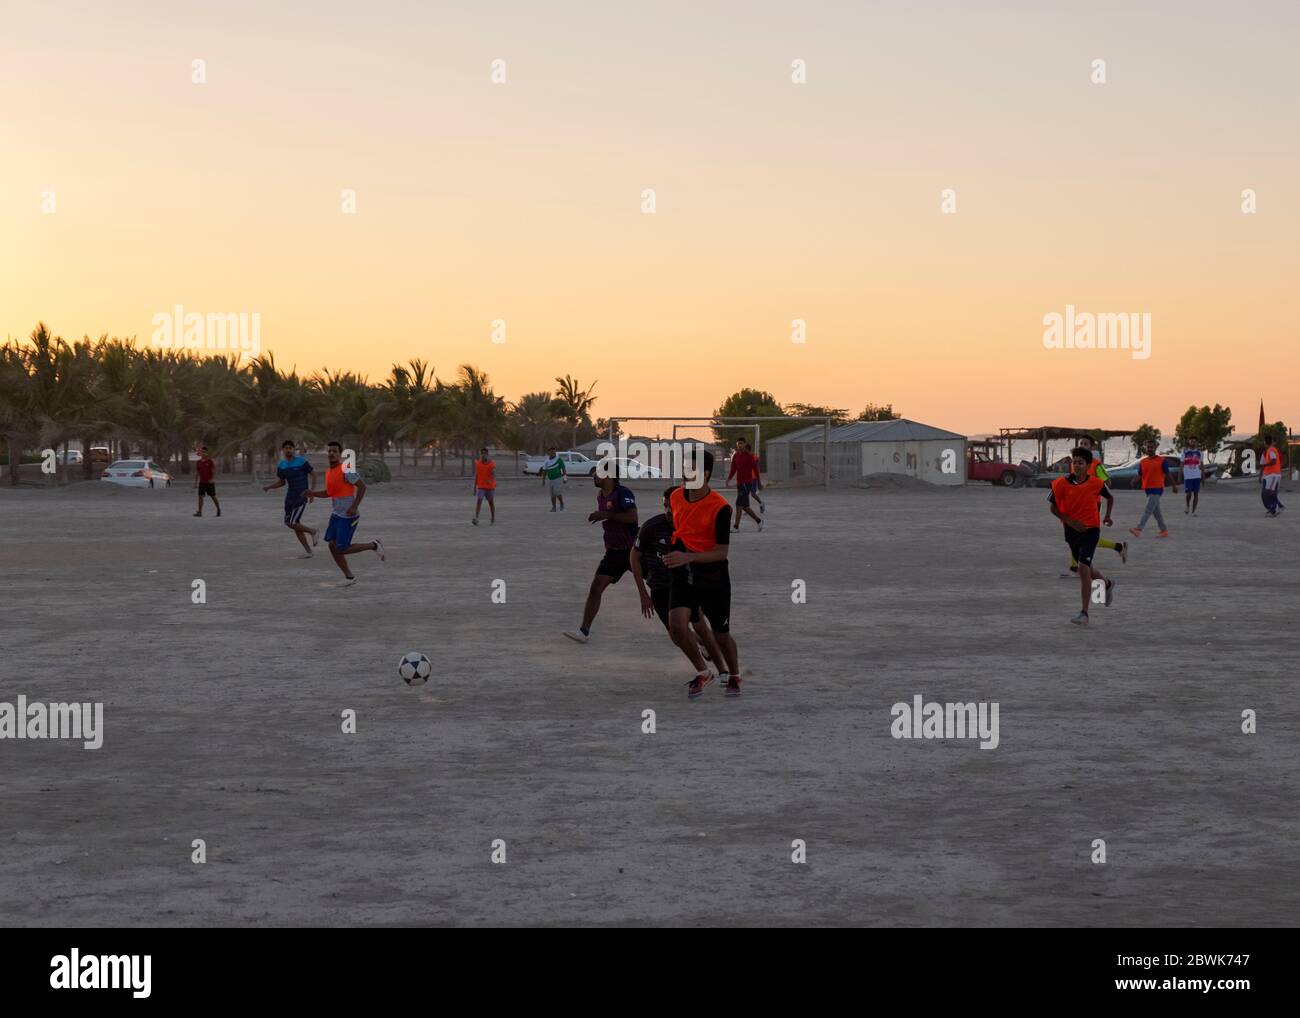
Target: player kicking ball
616	511
654	541
345	489
1075	502
701	581
299	475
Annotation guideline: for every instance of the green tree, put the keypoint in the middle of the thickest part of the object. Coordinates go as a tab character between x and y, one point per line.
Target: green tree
1144	434
575	404
1210	425
882	412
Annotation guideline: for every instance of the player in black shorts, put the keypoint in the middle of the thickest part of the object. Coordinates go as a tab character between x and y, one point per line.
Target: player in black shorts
700	578
616	509
654	542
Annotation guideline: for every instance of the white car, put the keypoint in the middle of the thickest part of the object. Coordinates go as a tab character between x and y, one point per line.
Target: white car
635	470
137	474
575	464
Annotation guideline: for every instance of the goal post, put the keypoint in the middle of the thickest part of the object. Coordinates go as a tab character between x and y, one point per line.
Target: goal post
756	422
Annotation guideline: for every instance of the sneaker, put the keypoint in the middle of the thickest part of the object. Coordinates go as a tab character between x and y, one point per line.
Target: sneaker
1122	548
552	508
576	634
348	582
315	538
695	688
474	521
218	512
733	686
1081	619
198	514
760	526
1135	532
1110	592
379	549
1163	533
762	509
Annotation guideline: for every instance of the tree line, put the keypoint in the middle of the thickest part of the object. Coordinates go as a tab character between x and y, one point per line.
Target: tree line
160	403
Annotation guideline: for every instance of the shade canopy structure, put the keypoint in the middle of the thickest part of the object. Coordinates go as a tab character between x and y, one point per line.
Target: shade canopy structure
1054	433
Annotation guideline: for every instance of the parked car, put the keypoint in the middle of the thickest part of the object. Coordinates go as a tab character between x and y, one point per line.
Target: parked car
137	474
575	464
635	470
1127	475
981	465
71	457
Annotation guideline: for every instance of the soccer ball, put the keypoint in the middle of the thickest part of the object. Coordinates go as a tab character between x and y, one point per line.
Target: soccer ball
414	668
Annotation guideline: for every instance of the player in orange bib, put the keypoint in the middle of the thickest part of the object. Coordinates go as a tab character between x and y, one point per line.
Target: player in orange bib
345	489
700	580
1153	474
1075	502
1096	469
485	485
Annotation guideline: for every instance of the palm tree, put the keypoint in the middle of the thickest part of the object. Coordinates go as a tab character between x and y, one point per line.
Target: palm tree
576	403
478	413
537	414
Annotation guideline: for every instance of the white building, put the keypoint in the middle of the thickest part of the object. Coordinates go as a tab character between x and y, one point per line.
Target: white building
863	448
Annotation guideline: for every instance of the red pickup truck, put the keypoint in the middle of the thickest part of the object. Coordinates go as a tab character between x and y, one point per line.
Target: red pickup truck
981	465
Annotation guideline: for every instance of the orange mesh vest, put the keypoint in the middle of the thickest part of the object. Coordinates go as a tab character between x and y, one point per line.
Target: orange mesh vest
694	522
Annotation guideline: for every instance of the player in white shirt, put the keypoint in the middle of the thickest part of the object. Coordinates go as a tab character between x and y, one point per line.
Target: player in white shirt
1193	458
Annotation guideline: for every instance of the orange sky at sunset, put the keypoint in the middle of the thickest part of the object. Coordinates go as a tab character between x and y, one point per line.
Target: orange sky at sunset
775	201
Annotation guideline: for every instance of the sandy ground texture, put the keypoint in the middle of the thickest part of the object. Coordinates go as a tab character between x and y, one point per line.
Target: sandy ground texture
223	720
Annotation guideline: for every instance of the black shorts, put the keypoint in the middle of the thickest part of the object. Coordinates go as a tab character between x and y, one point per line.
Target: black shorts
743	491
661	598
208	489
1083	543
706	593
614	564
293	513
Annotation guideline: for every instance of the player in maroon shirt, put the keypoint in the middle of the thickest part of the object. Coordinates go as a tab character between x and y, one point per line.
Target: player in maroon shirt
744	468
204	470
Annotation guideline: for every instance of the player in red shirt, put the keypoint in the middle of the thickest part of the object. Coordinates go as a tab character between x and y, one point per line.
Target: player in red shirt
204	470
744	468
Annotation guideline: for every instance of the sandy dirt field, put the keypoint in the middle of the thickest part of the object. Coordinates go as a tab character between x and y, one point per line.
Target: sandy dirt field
223	720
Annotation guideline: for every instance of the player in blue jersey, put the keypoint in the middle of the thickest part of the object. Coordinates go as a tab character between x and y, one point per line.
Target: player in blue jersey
295	472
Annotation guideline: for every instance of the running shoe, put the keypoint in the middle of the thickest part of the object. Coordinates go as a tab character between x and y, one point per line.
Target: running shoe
1135	532
1122	548
379	549
1110	592
576	634
1081	619
695	688
733	686
1163	533
347	582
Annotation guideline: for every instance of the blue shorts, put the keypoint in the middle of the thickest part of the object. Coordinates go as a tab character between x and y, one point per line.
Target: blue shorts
1191	485
340	531
293	512
487	493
